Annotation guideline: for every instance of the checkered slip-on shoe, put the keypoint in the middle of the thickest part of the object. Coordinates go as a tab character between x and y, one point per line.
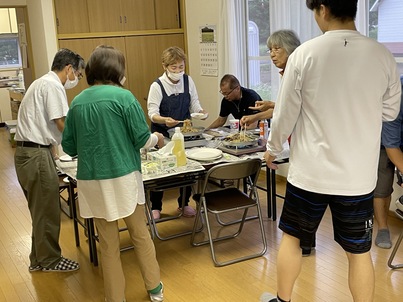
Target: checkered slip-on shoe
64	266
35	268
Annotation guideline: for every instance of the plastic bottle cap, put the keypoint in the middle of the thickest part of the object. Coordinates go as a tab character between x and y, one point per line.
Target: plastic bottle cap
177	129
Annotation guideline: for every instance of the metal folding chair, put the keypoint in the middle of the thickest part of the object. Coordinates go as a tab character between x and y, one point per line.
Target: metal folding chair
229	199
399	213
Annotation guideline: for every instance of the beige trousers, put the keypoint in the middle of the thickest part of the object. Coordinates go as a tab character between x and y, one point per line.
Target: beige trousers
109	245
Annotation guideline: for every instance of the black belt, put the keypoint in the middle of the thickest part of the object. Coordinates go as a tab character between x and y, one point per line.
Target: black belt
31	145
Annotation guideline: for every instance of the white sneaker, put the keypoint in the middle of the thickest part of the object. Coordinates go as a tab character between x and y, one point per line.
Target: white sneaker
158	297
268	297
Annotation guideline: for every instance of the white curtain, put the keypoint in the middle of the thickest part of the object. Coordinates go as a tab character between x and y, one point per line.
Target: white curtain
294	15
361	21
232	39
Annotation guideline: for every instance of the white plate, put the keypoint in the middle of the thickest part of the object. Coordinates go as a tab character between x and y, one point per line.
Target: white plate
204	154
198	115
66	157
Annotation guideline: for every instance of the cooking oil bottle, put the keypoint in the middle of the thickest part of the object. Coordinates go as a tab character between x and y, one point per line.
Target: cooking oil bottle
179	147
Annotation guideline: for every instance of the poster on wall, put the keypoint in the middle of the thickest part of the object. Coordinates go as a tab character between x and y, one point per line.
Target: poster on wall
208	51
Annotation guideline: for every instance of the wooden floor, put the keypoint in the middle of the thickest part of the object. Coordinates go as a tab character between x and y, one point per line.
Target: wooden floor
187	272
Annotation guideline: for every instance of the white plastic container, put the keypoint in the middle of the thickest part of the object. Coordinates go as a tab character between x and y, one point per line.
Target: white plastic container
179	147
21	83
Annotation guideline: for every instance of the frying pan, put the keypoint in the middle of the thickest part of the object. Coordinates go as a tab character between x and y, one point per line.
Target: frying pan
240	144
199	131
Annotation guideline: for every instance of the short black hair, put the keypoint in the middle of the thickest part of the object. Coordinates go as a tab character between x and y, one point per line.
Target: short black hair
106	65
66	57
231	80
340	9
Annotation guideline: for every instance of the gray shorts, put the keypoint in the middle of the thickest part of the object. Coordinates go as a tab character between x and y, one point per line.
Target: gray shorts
386	175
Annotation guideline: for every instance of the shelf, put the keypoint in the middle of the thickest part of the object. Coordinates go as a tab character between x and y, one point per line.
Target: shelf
120	34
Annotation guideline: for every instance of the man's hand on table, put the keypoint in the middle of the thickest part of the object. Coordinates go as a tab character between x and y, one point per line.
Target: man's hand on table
269	161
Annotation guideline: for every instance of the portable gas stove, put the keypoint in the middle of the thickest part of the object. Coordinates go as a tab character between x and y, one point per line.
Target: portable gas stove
237	150
191	141
195	141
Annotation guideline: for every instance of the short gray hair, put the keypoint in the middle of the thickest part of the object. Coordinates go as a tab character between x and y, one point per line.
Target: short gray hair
284	38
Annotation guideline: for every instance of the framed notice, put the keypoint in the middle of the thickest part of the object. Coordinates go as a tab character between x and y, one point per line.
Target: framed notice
208	51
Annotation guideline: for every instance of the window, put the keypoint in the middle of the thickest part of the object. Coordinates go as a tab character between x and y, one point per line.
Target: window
384	25
259	63
265	17
381	19
10	56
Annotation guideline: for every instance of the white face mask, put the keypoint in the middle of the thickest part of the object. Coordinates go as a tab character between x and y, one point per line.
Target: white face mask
123	80
71	84
175	76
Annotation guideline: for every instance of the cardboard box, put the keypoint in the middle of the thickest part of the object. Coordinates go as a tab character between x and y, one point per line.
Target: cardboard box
11	128
164	161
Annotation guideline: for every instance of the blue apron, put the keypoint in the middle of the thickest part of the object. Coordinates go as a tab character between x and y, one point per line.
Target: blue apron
175	106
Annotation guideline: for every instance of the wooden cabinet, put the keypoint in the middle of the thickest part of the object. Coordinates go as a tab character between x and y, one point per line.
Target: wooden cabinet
94	16
72	16
144	55
167	14
143	60
121	15
138	14
141	29
84	48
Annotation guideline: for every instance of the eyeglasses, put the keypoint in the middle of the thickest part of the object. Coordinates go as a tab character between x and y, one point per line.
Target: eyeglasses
274	50
228	93
78	74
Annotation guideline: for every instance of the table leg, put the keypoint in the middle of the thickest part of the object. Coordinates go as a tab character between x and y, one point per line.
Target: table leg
73	207
273	195
92	241
268	192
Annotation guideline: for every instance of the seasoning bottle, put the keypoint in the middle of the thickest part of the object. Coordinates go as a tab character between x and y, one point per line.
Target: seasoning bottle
179	147
264	130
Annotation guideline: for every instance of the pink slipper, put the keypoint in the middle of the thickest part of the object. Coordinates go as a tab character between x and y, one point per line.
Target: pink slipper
188	211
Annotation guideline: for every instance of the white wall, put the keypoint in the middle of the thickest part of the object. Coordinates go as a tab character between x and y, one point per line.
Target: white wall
43	34
42	29
199	13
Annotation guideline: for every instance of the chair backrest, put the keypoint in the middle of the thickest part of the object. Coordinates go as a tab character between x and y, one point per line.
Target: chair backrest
236	170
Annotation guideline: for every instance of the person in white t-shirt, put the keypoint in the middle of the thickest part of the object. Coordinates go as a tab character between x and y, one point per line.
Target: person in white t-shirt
337	90
39	131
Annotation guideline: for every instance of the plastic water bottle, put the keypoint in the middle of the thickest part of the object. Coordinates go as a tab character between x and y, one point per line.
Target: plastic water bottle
21	79
179	147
